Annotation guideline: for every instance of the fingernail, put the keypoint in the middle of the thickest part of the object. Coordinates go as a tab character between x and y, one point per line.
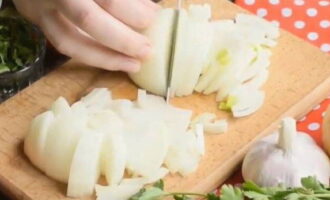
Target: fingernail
145	51
130	65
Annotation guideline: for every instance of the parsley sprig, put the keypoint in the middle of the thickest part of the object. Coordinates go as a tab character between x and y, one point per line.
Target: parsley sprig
311	189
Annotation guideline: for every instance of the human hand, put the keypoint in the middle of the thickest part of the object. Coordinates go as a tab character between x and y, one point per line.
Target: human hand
111	42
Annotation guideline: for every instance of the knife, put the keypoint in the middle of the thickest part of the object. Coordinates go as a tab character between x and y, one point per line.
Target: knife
172	50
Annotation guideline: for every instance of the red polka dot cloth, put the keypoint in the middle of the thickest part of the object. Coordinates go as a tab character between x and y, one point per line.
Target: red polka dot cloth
310	20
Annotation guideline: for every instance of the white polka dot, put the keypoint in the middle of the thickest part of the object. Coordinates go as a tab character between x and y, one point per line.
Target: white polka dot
325	47
274	2
299	24
324	113
312	12
299	2
312	36
262	12
249	2
324	3
313	126
302	119
286	12
325	23
276	23
317	107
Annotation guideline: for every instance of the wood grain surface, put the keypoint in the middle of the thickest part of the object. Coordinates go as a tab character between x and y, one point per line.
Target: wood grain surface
299	79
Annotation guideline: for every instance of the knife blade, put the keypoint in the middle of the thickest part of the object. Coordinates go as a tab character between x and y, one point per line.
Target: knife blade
172	50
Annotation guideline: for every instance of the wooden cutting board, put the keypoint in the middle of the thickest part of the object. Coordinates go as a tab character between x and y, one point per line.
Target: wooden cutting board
299	79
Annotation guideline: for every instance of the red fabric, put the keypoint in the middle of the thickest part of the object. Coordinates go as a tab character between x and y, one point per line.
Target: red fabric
310	20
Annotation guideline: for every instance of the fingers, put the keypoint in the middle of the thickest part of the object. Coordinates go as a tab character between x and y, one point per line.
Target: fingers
138	14
106	29
67	39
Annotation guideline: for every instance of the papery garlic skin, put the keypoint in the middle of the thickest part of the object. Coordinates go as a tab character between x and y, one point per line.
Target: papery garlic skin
284	158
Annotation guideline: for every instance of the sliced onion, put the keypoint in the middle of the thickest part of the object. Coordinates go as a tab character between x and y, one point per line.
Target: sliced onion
258	80
248	101
60	106
203	118
192	49
35	141
184	154
260	63
63	136
256	23
153	73
86	165
97	99
159	174
200	142
114	158
148	146
123	191
105	121
217	127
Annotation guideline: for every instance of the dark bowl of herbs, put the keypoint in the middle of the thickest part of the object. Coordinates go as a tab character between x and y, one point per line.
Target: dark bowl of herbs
22	52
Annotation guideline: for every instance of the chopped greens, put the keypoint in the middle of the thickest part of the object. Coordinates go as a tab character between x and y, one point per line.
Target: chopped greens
311	189
18	48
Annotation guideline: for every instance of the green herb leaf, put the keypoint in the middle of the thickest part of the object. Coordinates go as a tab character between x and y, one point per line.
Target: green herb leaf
228	192
138	195
4	68
159	184
293	196
250	186
312	183
152	193
311	189
181	197
212	196
255	195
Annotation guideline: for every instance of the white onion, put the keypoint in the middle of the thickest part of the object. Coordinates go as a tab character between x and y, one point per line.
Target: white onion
153	73
86	165
219	126
63	136
114	138
34	143
194	39
114	158
97	99
60	106
198	64
123	191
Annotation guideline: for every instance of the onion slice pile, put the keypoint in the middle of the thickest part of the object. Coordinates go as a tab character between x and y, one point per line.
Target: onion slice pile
131	143
227	57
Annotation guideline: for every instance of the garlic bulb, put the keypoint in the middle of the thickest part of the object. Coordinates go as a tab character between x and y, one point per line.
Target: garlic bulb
284	158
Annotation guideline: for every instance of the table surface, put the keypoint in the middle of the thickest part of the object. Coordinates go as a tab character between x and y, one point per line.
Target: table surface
307	19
